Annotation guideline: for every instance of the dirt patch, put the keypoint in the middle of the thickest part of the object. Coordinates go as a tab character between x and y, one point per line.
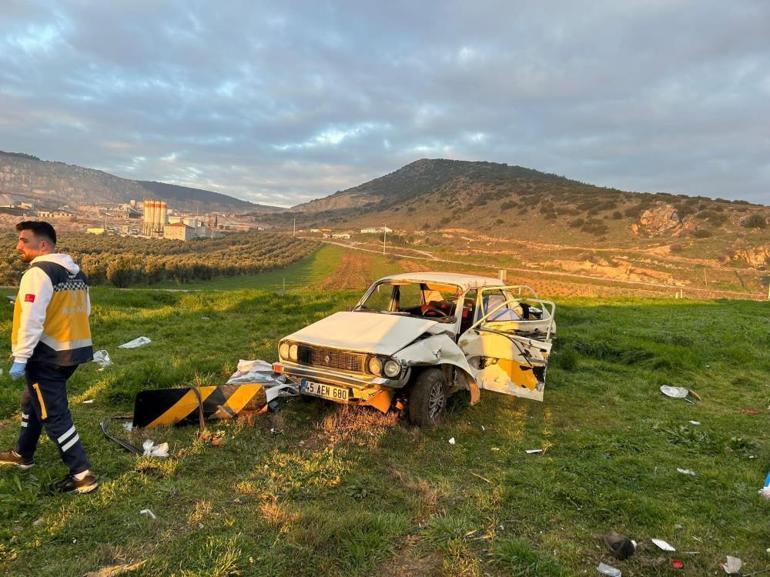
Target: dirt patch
351	273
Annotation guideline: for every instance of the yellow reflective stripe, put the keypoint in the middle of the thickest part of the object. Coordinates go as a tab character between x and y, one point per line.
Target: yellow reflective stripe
242	395
182	407
43	411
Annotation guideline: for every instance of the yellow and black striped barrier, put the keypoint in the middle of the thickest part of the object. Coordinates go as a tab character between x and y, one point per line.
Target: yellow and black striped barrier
181	405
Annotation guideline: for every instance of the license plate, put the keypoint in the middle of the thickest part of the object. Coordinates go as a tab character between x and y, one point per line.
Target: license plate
330	392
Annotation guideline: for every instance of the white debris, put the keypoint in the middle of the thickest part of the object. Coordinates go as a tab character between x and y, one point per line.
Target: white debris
609	570
732	565
136	343
686	471
765	492
696	423
663	545
153	450
674	392
275	390
148	512
88	402
452	441
533	451
256	371
128	426
102	358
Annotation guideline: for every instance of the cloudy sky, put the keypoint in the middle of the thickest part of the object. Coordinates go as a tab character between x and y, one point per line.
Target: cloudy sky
280	102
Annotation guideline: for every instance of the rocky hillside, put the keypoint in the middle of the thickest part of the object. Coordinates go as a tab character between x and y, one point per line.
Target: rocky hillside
54	184
513	202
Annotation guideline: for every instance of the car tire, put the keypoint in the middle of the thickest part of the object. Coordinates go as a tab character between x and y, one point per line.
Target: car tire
427	398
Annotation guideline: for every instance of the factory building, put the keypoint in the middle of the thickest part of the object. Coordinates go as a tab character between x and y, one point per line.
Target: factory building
155	217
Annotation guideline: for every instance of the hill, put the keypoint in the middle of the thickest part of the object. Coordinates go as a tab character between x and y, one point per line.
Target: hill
54	184
512	202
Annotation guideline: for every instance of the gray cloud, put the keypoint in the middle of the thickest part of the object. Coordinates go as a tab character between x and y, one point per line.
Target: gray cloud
280	103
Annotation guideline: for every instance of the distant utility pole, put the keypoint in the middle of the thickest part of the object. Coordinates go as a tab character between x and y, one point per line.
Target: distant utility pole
294	231
384	236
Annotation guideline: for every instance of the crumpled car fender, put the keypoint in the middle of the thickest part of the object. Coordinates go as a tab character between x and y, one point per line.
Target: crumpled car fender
439	350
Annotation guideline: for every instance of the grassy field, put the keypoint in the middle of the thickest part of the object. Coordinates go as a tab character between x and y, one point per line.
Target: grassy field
319	490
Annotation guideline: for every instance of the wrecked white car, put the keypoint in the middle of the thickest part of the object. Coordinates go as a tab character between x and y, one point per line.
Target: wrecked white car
414	339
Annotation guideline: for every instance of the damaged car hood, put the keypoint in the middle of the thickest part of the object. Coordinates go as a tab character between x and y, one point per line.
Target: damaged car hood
366	332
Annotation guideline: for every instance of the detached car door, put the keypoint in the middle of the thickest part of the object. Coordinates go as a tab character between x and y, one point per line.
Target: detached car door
509	342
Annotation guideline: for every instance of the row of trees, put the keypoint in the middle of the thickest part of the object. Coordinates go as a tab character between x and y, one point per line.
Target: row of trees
126	261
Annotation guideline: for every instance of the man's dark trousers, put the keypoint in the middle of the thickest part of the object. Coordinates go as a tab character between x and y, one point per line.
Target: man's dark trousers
44	405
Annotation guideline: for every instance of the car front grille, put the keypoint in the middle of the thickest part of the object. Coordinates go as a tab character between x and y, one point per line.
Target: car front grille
332	358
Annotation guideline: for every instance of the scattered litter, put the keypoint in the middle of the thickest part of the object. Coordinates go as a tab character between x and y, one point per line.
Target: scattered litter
480	477
609	570
674	392
765	491
88	402
128	426
686	471
452	441
205	318
136	343
732	565
663	545
272	392
256	371
149	513
677	564
483	428
153	450
533	451
696	423
495	448
102	358
620	546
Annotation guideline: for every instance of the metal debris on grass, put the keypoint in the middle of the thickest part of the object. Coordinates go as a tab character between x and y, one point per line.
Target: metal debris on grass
533	451
661	544
135	343
732	565
609	570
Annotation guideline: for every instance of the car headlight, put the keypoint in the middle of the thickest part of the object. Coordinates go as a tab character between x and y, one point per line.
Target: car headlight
375	366
283	350
391	368
293	352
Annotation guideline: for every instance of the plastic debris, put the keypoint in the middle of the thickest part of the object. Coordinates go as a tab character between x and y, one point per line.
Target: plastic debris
153	450
256	371
677	564
88	402
686	471
148	512
452	441
662	545
620	546
136	343
533	451
732	565
674	392
102	358
765	491
128	426
609	570
696	423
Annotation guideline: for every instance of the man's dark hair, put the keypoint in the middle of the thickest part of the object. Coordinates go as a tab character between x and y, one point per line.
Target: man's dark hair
40	228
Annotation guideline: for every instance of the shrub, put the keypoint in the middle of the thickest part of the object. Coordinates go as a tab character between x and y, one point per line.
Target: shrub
756	220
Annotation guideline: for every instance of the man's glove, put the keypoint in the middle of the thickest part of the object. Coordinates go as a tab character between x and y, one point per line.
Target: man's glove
17	370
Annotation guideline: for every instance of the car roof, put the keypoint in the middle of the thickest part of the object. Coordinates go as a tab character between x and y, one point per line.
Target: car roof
464	281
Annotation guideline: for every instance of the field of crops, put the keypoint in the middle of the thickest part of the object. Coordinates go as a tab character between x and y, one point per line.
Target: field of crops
320	490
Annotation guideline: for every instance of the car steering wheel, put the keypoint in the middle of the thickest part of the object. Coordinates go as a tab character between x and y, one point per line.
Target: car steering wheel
438	312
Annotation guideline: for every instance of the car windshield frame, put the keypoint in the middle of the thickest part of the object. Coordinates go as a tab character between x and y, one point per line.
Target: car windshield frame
424	287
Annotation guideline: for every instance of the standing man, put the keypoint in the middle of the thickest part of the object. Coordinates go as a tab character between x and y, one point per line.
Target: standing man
50	338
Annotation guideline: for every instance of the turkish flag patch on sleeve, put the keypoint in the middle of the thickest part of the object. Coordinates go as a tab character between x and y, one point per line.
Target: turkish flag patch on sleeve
29	298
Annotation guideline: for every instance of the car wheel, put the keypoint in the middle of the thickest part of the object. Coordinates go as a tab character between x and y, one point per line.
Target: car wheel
427	398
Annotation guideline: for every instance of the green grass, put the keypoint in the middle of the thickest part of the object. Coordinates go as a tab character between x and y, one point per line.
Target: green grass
319	490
